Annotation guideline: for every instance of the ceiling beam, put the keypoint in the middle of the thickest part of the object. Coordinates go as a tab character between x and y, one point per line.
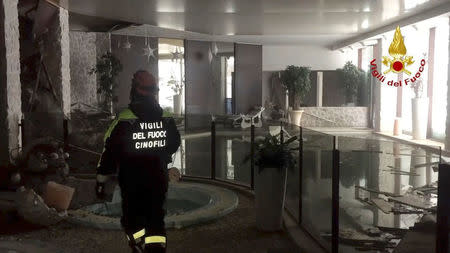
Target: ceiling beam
411	19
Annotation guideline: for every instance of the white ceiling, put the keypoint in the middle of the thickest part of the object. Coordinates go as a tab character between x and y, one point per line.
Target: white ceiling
323	22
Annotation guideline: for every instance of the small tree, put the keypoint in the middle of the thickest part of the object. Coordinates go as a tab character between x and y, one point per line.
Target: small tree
297	81
107	69
353	79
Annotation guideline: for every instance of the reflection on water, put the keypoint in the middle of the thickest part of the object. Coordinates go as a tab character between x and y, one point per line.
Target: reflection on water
367	169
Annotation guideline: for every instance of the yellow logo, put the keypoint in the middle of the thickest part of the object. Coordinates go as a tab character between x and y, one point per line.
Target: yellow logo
398	62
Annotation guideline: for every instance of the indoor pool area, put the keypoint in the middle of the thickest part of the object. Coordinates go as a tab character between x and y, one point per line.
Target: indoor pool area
200	126
386	187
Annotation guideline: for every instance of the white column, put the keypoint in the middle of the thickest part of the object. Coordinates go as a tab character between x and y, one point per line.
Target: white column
376	88
10	91
319	93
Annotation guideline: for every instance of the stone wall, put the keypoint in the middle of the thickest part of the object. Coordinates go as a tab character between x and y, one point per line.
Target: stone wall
56	56
10	91
335	117
83	57
85	49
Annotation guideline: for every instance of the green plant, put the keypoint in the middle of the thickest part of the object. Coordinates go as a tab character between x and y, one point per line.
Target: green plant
107	69
297	81
271	152
175	85
353	79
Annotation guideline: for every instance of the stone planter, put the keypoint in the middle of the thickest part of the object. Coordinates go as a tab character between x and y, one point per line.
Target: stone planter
177	104
419	118
295	116
270	192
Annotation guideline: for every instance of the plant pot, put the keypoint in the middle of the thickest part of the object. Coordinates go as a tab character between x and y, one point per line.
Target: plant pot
177	104
419	118
270	192
295	116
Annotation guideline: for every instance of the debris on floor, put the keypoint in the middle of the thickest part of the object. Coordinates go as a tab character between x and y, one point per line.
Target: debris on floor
33	209
174	174
58	196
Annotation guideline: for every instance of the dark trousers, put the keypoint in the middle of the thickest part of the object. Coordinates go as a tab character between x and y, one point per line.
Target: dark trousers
144	209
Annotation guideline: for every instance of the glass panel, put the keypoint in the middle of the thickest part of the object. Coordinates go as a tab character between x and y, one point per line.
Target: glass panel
232	146
316	185
292	187
197	150
385	188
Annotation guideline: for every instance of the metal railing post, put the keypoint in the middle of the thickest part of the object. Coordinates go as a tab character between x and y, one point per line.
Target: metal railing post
443	209
252	156
281	132
300	175
213	150
66	132
22	132
335	199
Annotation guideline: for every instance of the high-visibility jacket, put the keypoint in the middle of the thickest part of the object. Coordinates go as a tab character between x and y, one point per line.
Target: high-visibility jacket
140	148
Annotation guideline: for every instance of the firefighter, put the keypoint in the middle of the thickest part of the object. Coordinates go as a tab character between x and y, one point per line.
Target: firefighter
139	144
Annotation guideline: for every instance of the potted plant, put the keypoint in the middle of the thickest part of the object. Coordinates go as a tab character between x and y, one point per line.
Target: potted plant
353	79
296	80
272	157
419	111
177	87
107	69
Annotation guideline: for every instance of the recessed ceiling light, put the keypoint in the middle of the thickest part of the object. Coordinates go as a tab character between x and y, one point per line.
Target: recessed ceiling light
367	9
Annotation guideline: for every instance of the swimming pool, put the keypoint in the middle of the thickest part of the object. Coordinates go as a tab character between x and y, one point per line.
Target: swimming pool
187	204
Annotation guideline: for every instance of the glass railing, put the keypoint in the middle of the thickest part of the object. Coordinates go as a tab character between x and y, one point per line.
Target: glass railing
233	145
385	188
316	184
348	193
292	200
357	193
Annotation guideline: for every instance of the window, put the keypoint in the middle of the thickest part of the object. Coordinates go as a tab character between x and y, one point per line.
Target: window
171	75
439	101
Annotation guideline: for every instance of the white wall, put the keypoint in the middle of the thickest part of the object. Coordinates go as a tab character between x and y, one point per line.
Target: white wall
318	58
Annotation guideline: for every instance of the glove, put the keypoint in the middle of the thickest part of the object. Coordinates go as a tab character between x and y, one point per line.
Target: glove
100	190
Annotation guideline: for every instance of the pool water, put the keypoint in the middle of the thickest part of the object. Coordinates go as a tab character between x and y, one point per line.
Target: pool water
177	202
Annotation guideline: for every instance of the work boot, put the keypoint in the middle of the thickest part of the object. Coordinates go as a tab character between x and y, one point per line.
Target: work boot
137	248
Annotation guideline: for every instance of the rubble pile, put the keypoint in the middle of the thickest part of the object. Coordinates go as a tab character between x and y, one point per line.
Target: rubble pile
34	184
